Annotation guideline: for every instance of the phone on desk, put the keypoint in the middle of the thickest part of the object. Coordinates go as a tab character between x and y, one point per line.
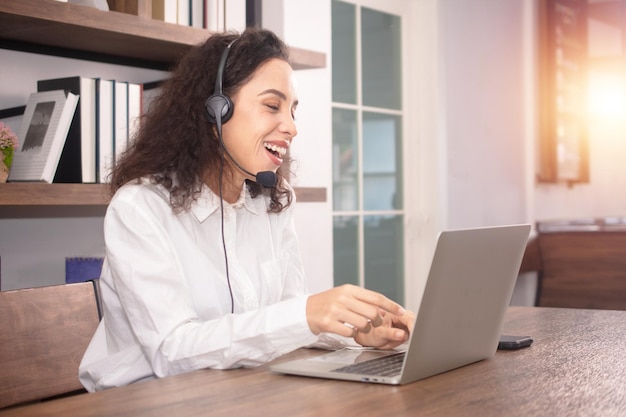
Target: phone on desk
508	342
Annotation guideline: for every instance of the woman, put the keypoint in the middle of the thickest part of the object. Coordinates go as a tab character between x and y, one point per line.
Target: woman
202	266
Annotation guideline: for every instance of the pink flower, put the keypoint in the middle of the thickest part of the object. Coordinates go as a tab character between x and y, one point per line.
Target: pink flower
8	139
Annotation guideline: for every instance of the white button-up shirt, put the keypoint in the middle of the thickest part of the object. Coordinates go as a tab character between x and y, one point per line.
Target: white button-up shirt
166	299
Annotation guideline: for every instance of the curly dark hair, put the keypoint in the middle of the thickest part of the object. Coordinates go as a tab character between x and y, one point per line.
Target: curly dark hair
176	146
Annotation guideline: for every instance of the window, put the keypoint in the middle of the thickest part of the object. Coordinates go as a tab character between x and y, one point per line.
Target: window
368	195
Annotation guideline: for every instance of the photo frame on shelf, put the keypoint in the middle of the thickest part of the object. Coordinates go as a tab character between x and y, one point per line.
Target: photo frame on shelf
42	135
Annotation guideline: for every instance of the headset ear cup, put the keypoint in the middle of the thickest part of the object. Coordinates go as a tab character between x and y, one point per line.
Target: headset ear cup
219	104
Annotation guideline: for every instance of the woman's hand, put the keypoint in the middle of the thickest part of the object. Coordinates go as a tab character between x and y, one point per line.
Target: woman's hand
394	331
353	311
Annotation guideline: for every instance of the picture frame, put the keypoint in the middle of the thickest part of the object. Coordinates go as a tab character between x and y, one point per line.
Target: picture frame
42	135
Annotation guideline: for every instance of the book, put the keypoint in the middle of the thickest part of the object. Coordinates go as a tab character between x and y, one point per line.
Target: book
215	15
79	269
151	90
43	130
104	129
135	108
78	160
197	13
165	10
120	107
184	13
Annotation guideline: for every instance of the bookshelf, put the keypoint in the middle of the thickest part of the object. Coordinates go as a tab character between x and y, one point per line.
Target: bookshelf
64	29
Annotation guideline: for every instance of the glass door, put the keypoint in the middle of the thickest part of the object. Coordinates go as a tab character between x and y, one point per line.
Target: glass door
367	119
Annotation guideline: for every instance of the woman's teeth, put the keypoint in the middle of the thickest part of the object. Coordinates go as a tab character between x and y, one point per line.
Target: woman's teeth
277	149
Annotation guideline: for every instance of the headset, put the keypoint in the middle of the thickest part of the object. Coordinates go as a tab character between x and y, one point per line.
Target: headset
219	107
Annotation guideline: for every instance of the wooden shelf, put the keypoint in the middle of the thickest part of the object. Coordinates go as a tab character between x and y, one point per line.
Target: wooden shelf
43	194
65	29
17	194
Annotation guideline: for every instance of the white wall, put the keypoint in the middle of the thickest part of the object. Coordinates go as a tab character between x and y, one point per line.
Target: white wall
482	48
488	52
306	24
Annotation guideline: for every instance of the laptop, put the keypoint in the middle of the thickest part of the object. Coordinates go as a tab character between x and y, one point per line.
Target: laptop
460	317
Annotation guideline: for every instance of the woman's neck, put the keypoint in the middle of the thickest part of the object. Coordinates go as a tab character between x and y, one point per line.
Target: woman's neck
230	189
230	193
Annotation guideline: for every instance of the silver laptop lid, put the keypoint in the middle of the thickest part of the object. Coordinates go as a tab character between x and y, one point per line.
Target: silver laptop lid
468	291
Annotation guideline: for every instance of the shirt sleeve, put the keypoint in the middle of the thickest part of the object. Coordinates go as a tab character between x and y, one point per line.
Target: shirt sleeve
148	279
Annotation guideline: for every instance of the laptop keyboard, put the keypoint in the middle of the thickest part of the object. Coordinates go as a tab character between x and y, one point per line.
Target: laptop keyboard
386	366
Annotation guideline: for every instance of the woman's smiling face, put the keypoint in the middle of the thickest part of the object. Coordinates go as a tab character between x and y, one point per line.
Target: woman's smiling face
262	125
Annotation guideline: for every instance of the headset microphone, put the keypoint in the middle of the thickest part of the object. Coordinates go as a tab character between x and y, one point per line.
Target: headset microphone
219	109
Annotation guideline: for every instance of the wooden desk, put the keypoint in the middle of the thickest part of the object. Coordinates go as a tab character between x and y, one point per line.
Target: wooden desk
577	366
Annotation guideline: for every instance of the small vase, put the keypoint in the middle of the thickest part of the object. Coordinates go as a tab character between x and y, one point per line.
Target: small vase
4	172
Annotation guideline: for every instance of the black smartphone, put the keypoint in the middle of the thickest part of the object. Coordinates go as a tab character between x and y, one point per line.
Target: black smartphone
508	342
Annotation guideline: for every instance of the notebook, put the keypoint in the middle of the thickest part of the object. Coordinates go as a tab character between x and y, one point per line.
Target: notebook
467	293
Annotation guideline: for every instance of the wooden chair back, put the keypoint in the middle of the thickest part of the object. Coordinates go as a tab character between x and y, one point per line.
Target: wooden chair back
43	334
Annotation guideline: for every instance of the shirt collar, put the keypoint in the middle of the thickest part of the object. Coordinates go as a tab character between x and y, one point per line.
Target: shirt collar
208	202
